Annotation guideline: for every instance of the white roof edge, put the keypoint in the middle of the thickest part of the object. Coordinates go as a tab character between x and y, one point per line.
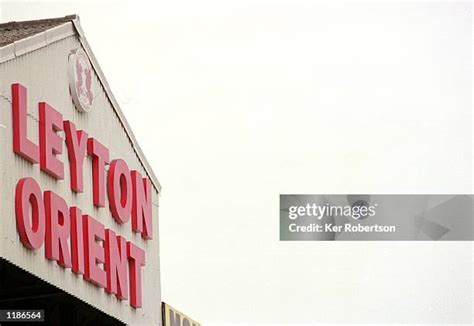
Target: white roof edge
116	106
37	41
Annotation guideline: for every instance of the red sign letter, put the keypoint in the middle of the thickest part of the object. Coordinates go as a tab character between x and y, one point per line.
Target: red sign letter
76	142
28	194
93	251
136	259
120	191
51	144
100	157
21	144
57	229
116	264
77	241
141	208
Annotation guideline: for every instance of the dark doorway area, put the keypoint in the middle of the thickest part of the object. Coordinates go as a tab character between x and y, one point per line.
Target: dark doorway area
22	290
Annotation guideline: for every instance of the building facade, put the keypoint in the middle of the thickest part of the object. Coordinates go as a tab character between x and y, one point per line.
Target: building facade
79	201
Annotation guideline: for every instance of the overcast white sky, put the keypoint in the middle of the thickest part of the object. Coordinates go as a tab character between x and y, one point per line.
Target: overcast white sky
235	102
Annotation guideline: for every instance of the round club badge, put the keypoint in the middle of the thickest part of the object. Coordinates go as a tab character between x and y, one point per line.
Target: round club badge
81	81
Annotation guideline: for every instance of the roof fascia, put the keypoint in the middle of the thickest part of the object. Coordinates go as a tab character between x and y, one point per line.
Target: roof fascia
116	106
35	42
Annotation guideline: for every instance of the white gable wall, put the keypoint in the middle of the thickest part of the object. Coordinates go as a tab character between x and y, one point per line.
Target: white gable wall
45	74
